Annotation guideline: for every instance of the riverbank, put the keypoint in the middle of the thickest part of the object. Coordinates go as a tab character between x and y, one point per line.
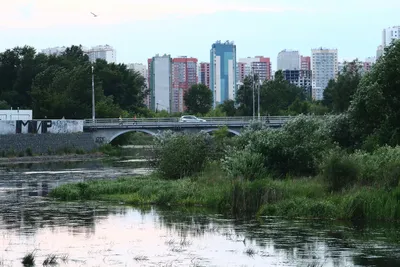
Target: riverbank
52	158
293	198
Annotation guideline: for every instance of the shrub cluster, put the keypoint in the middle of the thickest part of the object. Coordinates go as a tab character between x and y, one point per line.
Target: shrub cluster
294	149
177	155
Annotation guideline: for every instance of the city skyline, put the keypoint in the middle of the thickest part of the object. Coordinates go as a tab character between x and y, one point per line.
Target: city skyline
139	31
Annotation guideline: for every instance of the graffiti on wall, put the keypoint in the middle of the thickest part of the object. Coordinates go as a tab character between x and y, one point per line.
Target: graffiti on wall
41	126
33	126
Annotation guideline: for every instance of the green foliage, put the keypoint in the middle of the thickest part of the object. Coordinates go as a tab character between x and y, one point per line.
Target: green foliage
4	105
244	164
339	93
61	86
294	149
375	108
340	171
181	155
28	152
379	168
228	107
198	99
277	97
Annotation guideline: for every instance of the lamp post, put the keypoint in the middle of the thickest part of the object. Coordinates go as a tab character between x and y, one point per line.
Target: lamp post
258	106
93	100
254	101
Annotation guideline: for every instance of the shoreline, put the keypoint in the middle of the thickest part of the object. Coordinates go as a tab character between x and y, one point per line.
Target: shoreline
51	158
306	198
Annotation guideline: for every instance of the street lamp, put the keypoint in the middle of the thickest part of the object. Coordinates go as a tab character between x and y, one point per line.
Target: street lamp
258	106
93	103
254	101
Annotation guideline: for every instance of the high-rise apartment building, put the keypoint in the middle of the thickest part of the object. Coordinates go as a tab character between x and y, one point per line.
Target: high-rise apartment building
379	51
261	66
143	70
204	74
56	51
139	67
223	71
389	35
324	66
184	75
241	71
288	60
305	63
105	52
160	82
300	78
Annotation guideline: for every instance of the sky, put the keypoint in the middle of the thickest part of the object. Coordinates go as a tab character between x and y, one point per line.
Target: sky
140	29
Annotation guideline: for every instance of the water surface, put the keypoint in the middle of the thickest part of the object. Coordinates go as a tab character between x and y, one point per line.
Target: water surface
104	234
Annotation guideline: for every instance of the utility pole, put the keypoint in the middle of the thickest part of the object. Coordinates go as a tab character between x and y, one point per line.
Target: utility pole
93	100
254	100
258	106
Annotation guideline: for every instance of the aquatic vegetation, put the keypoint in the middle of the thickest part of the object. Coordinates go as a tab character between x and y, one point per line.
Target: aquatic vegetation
29	259
141	258
50	260
250	252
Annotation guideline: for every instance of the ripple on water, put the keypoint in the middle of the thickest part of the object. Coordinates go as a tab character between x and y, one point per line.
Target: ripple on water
100	234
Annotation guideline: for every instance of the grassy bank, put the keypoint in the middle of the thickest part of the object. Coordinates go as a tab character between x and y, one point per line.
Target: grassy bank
302	197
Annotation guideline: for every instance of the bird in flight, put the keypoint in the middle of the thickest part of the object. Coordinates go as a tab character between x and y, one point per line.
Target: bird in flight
94	15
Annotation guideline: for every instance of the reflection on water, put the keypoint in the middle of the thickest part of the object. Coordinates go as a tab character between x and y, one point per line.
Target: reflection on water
97	234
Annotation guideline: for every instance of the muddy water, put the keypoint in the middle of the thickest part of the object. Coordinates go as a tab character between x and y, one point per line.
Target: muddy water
101	234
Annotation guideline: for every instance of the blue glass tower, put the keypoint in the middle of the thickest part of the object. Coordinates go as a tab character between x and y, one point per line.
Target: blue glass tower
223	71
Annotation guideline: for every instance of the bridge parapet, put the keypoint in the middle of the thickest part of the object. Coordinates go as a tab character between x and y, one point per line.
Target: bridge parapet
105	130
162	121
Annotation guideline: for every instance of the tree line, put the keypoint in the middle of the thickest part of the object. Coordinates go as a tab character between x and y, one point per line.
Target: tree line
61	86
279	96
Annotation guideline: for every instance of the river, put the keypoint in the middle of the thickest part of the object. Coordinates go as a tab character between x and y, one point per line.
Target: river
104	234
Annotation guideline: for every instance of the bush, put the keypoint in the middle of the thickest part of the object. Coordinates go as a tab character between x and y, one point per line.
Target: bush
178	155
294	149
244	164
379	168
340	171
28	152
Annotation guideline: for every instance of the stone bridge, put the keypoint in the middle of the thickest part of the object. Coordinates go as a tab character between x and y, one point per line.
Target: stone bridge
106	130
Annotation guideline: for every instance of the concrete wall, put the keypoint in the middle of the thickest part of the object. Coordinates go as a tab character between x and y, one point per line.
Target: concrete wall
43	143
15	114
40	126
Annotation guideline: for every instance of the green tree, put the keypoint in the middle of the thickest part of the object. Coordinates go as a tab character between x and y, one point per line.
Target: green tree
61	86
244	97
338	94
4	105
375	109
228	107
198	99
278	94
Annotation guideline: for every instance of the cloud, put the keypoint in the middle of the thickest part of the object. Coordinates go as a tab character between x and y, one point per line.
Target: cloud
50	13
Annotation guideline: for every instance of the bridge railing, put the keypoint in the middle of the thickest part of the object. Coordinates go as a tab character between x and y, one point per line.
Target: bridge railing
213	120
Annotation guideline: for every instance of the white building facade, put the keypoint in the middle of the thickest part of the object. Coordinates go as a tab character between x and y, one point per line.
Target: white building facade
160	82
324	66
105	52
288	60
389	35
56	51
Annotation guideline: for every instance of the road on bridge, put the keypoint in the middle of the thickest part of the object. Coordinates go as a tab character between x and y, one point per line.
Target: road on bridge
174	122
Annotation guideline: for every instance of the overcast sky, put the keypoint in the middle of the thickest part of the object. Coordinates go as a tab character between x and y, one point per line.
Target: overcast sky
140	29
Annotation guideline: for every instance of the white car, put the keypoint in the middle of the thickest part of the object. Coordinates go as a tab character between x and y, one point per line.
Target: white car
190	118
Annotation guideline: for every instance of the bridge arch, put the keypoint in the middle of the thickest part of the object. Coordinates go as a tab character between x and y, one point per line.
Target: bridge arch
115	135
229	130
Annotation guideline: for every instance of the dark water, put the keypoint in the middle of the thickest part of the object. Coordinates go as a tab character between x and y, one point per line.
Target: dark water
101	234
